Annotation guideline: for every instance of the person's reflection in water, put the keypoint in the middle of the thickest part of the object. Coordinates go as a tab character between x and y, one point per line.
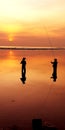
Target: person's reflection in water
23	71
54	74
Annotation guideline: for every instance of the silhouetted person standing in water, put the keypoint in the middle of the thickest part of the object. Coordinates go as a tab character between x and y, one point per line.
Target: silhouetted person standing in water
23	62
54	65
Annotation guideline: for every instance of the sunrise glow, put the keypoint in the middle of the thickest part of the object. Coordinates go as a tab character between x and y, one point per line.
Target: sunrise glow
30	18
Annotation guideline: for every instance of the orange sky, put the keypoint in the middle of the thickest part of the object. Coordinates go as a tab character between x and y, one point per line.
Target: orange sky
32	22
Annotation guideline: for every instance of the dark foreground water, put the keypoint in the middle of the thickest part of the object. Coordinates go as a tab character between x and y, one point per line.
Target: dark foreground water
39	97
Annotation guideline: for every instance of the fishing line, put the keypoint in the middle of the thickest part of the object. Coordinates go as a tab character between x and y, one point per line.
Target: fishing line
49	40
53	55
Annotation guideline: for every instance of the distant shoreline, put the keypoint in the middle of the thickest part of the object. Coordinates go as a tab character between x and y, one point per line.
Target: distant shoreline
30	48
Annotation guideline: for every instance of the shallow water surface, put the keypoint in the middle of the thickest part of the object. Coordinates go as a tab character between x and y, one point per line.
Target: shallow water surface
39	97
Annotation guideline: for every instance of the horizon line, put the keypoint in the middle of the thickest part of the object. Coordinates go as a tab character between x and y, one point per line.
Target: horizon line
30	48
